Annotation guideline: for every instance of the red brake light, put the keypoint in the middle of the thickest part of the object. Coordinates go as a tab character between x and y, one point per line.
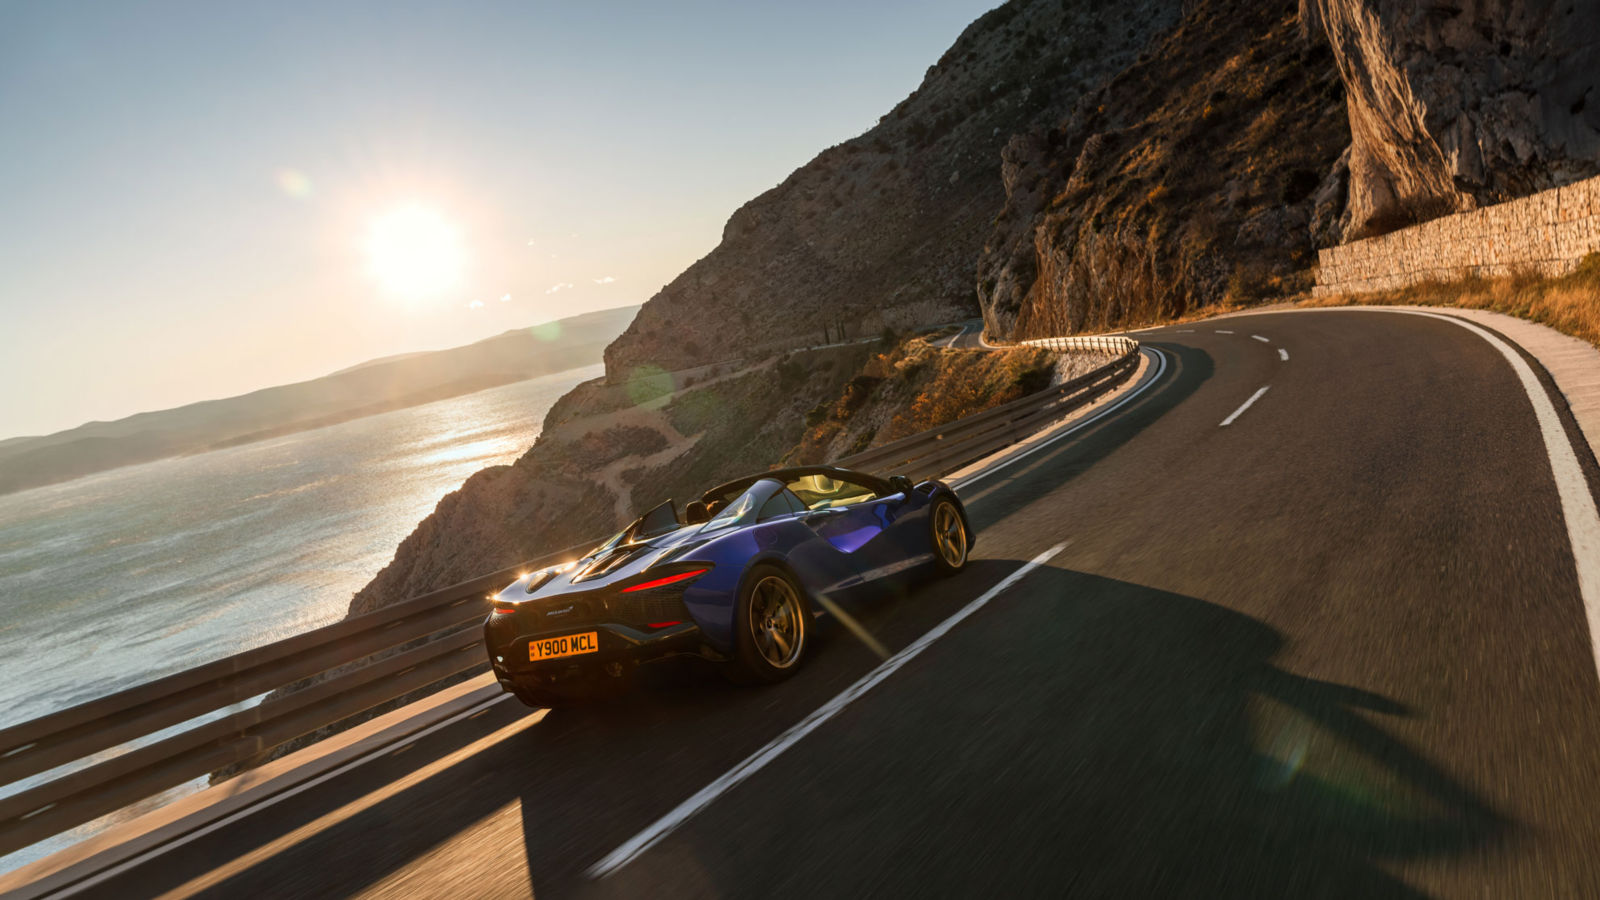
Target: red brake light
503	610
663	624
644	585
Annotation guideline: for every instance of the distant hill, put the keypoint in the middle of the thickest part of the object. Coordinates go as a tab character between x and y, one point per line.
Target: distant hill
373	387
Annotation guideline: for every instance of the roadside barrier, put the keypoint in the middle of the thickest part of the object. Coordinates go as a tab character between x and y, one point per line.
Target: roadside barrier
352	666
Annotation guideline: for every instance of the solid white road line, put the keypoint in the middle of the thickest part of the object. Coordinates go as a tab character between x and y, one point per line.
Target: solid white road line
1240	411
1161	367
1283	354
686	810
1577	504
1262	339
1220	331
386	749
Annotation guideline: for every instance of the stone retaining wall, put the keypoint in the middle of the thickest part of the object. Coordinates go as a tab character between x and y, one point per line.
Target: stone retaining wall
1547	232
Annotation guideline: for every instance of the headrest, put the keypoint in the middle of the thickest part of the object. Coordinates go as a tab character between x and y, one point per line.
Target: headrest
695	513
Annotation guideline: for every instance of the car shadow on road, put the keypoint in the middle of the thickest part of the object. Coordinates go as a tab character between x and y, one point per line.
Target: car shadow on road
1078	735
1089	737
1190	367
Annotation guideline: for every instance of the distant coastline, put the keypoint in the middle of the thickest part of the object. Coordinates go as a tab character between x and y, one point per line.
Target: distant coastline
367	389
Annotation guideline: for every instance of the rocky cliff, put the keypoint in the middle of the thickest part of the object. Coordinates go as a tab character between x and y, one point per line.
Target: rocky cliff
885	229
1461	103
1199	172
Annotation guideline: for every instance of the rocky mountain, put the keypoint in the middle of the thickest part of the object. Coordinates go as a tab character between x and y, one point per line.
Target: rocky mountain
1461	103
1197	173
885	229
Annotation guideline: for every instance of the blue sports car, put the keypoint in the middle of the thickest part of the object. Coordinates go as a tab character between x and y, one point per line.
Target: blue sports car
737	578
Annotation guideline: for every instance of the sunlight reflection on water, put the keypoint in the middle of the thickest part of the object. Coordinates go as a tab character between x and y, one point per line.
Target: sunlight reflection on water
125	576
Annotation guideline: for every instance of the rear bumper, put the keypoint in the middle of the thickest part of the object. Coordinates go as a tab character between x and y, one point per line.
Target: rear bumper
620	647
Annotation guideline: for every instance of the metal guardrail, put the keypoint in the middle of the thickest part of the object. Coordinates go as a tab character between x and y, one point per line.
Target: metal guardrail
367	660
1105	343
949	447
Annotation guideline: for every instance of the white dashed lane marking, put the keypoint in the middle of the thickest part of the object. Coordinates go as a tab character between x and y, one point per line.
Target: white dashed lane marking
1262	339
669	823
1283	354
1220	331
1240	411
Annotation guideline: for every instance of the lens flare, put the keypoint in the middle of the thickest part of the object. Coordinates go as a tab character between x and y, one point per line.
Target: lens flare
414	252
295	183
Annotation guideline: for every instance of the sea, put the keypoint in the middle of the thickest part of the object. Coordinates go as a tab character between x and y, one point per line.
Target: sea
125	576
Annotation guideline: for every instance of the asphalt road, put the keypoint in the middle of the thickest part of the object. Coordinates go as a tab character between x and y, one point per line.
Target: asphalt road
1334	648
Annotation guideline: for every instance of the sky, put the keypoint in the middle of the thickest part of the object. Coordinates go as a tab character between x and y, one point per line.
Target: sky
202	199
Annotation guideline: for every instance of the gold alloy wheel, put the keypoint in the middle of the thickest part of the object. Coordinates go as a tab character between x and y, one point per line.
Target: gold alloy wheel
775	621
950	535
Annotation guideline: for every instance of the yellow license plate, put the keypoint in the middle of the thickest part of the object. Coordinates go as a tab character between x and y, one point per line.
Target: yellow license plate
566	645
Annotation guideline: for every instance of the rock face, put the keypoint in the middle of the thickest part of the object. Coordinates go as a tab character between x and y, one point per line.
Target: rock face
885	229
1198	173
1462	103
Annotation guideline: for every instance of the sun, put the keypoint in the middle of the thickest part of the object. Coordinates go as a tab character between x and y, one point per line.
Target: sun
414	252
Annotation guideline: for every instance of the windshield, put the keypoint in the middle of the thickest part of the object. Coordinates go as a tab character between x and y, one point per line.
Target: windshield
735	511
819	491
660	520
613	542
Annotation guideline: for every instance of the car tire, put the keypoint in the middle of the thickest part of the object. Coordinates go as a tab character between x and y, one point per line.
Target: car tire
772	624
947	530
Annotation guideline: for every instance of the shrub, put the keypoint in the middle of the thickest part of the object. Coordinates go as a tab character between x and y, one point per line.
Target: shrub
1248	284
863	440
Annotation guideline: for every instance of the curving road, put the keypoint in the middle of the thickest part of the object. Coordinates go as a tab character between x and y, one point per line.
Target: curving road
1327	644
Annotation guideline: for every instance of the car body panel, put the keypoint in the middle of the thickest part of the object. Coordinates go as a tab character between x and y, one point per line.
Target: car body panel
675	592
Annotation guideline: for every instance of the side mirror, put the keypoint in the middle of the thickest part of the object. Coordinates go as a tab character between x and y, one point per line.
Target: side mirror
901	483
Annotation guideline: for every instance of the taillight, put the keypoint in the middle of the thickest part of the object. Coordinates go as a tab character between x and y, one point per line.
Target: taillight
670	579
504	610
662	624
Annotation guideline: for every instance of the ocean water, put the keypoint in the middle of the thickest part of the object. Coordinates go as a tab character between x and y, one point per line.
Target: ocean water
121	577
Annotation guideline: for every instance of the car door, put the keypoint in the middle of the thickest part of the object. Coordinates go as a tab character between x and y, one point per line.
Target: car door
856	522
822	567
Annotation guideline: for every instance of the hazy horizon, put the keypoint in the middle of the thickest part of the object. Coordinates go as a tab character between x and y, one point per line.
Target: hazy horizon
203	202
359	364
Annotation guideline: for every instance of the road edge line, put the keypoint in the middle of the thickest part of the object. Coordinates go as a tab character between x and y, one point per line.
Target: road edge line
1578	509
196	815
1011	455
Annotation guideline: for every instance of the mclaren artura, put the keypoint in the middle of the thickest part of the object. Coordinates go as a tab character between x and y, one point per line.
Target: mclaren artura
737	577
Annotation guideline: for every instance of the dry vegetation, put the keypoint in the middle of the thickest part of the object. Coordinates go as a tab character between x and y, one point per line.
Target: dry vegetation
1569	303
912	387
